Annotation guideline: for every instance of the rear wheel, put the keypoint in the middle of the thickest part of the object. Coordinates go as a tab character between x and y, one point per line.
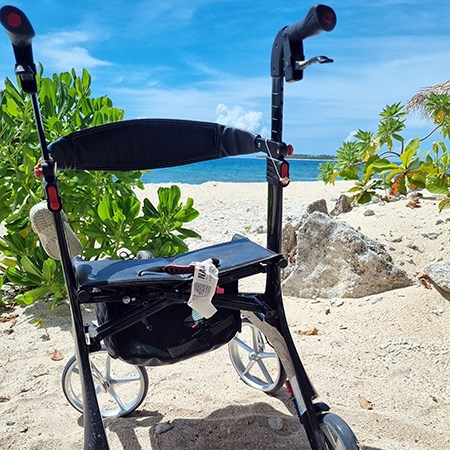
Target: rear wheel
255	360
120	387
338	435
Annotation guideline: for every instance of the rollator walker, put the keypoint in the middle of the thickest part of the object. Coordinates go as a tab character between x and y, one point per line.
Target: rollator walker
141	305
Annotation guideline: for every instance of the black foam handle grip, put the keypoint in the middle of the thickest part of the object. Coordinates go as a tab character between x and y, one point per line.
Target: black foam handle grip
17	25
319	18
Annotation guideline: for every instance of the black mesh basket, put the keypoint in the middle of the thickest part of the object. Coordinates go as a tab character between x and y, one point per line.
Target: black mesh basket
173	334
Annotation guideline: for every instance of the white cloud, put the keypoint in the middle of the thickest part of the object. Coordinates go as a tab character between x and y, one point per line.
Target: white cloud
238	117
62	51
351	136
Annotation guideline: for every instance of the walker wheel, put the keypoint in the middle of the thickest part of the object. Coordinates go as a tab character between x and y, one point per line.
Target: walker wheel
255	361
120	387
338	434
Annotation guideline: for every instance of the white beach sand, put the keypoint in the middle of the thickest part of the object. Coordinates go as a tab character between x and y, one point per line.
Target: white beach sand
393	350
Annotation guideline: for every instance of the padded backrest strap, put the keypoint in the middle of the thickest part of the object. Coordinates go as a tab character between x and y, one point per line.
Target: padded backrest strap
149	144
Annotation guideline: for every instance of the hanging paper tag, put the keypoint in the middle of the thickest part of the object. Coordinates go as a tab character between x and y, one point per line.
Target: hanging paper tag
204	288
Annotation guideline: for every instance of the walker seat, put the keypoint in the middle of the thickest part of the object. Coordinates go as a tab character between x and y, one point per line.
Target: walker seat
235	259
164	328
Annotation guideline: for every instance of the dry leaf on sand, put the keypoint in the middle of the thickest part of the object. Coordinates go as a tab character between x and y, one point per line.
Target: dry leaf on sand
364	403
9	318
425	280
413	203
310	332
56	355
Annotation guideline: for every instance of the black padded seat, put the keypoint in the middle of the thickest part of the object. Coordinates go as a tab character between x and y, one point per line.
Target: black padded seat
236	259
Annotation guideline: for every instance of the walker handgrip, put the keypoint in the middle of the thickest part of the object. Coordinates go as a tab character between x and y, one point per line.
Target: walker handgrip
21	33
319	18
17	25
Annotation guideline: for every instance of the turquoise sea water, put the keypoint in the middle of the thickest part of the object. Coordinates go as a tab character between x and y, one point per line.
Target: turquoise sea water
234	170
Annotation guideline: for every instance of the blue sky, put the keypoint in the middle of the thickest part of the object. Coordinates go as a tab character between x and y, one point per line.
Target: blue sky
209	60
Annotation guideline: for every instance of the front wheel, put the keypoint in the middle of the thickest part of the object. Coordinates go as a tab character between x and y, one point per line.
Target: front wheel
120	387
338	435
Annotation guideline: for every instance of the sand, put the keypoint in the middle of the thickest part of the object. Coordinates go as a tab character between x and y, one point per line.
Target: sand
392	350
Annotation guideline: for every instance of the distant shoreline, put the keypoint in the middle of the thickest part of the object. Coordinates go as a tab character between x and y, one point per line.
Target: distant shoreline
305	158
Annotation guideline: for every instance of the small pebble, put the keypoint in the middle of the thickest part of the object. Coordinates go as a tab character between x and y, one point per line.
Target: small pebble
336	302
161	428
432	235
438	311
275	423
369	212
377	299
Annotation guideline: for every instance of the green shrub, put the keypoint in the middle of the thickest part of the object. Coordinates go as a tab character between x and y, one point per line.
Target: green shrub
102	207
383	160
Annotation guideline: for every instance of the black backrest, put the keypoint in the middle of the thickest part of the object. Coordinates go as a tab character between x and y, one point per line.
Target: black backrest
149	144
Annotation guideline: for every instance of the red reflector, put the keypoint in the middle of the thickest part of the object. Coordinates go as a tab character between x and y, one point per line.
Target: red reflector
289	150
284	174
14	20
53	198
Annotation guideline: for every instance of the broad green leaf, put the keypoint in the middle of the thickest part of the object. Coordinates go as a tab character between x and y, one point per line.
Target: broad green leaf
104	209
29	266
188	233
410	152
32	295
149	209
438	185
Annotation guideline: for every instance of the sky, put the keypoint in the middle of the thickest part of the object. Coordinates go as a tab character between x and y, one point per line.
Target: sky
209	60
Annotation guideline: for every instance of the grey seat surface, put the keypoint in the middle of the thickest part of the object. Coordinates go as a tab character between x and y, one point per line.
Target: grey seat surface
239	257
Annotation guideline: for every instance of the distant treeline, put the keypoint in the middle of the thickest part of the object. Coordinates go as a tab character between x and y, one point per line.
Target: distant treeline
304	156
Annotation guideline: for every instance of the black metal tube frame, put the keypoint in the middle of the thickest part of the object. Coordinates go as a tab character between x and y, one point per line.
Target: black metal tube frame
273	295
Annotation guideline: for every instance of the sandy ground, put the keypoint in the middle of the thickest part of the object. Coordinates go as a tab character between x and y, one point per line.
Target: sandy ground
392	350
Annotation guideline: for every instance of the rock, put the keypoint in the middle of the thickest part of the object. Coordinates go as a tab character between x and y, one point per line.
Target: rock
317	205
377	299
432	235
343	205
369	212
161	428
335	260
438	311
288	239
275	423
261	229
439	273
288	236
336	302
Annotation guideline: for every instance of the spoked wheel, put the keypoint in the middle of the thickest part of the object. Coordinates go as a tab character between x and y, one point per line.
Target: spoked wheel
338	435
255	360
120	387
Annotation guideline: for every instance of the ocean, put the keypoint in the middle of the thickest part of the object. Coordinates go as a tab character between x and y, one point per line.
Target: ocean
234	170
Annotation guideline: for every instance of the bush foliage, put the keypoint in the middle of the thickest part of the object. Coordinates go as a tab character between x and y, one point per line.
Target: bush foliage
384	160
102	207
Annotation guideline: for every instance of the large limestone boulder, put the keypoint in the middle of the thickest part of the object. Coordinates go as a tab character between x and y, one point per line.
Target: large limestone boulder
335	260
